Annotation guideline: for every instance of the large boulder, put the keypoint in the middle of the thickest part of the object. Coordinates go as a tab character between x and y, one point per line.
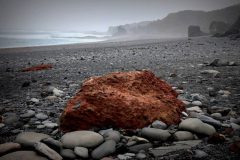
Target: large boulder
195	31
127	100
218	27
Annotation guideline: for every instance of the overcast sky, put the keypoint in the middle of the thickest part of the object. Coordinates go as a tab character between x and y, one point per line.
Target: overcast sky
86	15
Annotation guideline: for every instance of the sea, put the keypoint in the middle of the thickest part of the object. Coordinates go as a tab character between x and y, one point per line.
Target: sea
16	39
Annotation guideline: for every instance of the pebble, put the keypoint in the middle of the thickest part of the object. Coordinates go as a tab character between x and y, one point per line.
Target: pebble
41	116
34	100
235	126
216	115
6	147
197	103
48	152
82	139
197	126
183	136
81	152
68	154
195	109
11	119
237	121
2	125
214	73
155	134
139	147
50	125
223	110
52	143
141	155
28	139
112	135
57	92
23	155
206	119
28	114
40	126
105	149
200	154
186	102
159	124
124	156
137	139
51	98
186	145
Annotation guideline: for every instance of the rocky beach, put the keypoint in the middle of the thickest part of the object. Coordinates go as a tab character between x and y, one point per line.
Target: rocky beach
37	84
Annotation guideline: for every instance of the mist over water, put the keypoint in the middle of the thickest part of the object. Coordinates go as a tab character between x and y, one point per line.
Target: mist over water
13	39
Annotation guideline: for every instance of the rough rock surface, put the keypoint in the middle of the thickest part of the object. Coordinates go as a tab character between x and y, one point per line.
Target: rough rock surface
38	68
122	99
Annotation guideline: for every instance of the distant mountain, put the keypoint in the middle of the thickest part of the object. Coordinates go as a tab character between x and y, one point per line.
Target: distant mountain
176	24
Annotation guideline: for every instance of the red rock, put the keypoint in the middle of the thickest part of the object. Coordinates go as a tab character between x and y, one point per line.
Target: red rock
216	138
235	147
126	100
38	68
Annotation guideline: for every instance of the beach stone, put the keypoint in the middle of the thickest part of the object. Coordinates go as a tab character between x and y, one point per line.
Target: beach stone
68	154
38	68
206	119
50	125
81	138
155	134
9	146
105	149
34	100
41	116
183	136
159	124
28	114
139	147
197	126
10	119
197	103
216	115
235	120
197	97
138	139
27	139
2	125
195	109
200	154
187	103
235	126
160	151
213	73
81	152
112	135
215	109
125	156
52	143
127	100
45	150
235	147
51	98
216	138
141	156
23	155
57	92
40	126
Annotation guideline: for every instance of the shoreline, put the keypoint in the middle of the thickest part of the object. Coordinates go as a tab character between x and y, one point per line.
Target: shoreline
178	62
101	44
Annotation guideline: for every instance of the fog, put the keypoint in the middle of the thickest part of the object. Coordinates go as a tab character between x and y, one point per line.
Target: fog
89	15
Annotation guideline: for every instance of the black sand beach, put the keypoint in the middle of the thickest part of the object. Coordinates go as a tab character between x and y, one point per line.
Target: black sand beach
179	62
